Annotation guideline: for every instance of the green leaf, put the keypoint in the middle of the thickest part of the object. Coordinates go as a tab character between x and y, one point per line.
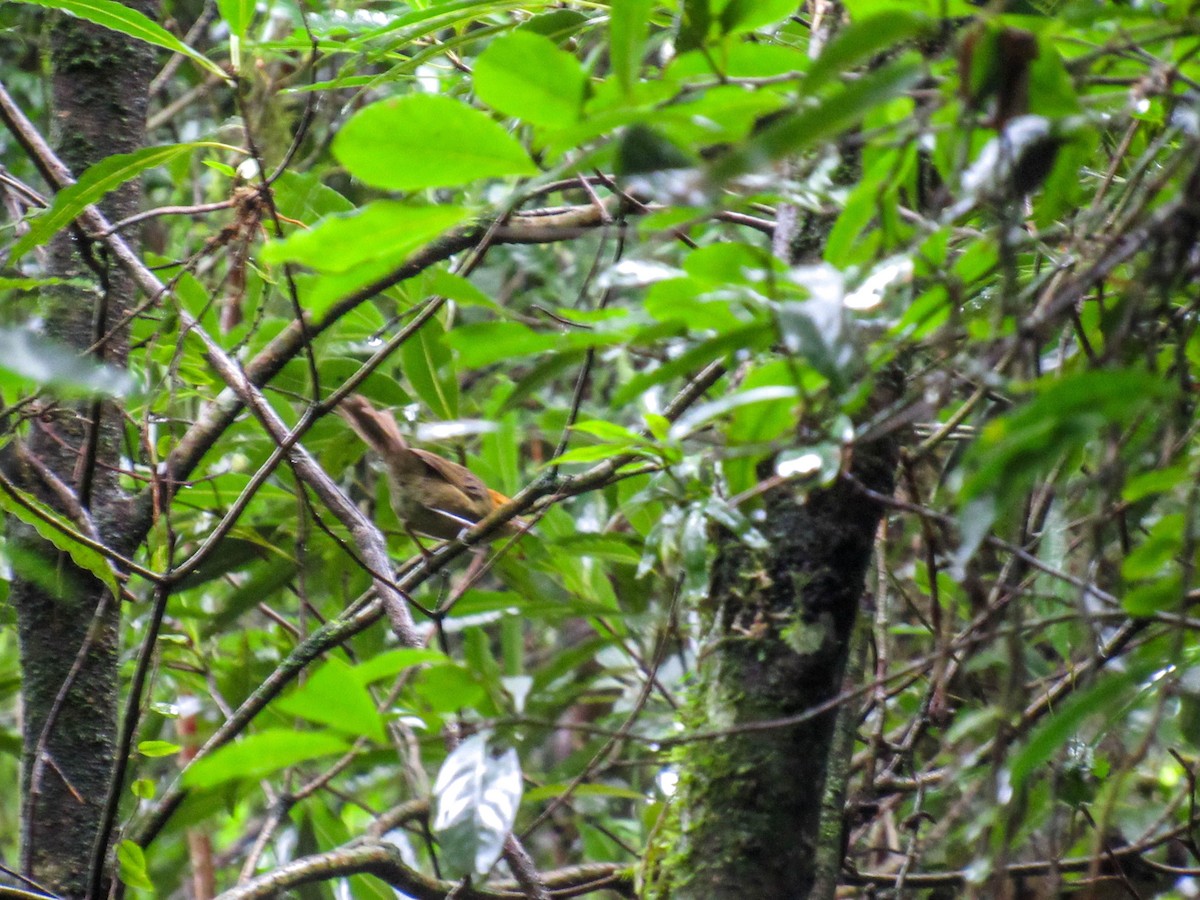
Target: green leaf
455	287
695	18
833	114
265	579
616	792
627	26
486	343
238	14
644	149
608	431
128	21
143	788
98	180
557	24
33	284
425	140
617	548
335	696
261	754
591	454
1157	481
33	512
728	263
385	229
1153	555
694	554
448	689
526	76
393	662
131	862
429	368
706	412
658	425
760	422
157	748
1151	597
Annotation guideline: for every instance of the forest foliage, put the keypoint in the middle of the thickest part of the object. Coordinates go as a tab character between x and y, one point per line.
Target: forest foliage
634	263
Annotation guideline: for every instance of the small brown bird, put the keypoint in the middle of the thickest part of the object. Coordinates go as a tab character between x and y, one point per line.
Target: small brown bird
429	494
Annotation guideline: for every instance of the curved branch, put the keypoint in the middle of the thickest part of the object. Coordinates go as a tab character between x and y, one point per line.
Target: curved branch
384	862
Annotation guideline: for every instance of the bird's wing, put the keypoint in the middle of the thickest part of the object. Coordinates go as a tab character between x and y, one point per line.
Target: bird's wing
475	493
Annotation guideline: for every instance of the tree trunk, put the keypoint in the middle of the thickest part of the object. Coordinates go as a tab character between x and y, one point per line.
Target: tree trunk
745	820
68	622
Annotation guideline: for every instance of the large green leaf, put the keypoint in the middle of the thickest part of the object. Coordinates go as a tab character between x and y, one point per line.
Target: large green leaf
1105	698
128	21
131	863
261	754
393	662
491	342
525	75
383	230
747	15
422	140
334	695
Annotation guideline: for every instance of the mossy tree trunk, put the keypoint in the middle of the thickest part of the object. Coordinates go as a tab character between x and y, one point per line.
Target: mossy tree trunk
68	623
745	819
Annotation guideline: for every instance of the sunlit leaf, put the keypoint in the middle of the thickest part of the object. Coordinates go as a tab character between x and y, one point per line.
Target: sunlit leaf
261	754
335	695
393	662
237	14
478	792
525	75
388	145
383	230
157	748
131	866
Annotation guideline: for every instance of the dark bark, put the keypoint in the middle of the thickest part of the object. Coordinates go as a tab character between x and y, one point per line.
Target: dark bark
68	622
746	818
